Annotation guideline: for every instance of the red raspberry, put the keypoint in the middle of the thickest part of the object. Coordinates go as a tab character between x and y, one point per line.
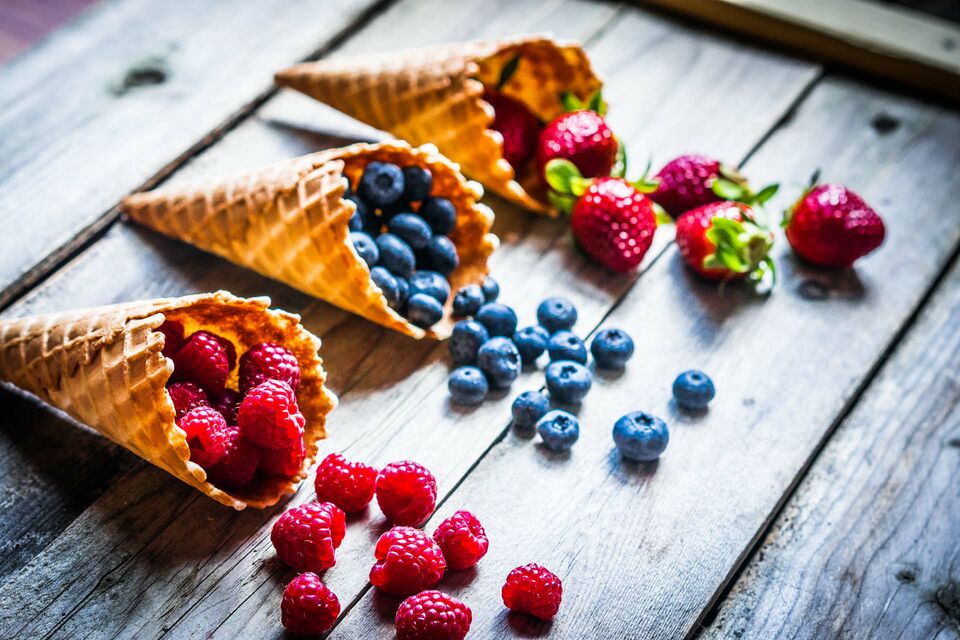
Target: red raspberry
284	462
305	537
187	396
239	461
533	589
406	492
432	615
269	416
349	485
309	607
207	435
462	539
408	561
202	360
268	361
227	402
172	331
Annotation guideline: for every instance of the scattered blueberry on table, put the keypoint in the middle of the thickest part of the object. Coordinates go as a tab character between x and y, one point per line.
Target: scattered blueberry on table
465	341
531	342
568	381
499	319
556	314
611	349
499	359
640	436
693	390
559	430
565	345
529	407
468	385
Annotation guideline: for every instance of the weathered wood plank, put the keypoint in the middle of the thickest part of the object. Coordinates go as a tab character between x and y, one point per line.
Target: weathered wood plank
386	413
868	544
124	93
643	549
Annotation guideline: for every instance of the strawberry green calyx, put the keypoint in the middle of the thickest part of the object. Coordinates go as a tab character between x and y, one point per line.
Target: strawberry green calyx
742	247
595	102
567	184
732	185
811	185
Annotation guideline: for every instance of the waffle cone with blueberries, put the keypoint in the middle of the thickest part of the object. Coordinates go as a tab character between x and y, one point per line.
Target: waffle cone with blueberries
381	230
163	379
482	103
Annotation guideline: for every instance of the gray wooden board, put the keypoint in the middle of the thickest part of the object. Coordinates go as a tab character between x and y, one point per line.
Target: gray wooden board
386	413
122	94
868	546
644	549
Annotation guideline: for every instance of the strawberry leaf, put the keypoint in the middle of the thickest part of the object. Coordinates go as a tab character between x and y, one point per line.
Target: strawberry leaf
619	169
661	216
766	193
571	102
727	189
561	202
560	174
597	103
508	70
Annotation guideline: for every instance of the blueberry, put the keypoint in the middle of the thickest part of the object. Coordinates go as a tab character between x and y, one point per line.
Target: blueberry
499	319
498	358
440	255
410	228
556	314
565	345
396	255
468	300
611	348
640	436
568	381
431	283
531	342
398	208
528	407
403	292
467	385
423	310
388	285
491	289
417	183
363	219
466	340
559	430
366	247
440	214
693	390
381	184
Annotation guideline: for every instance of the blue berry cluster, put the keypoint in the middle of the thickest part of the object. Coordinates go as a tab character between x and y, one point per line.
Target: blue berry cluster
401	232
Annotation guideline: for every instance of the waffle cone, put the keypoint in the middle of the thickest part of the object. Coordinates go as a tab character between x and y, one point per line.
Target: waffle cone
290	221
435	95
104	367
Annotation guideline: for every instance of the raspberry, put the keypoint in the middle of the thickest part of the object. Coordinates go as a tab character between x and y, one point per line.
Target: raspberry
227	402
207	435
349	485
533	589
269	416
268	361
187	396
408	561
309	607
284	462
239	461
432	615
202	360
172	337
406	492
462	539
305	537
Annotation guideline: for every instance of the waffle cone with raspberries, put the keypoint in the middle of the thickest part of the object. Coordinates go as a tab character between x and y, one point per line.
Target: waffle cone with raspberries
290	222
436	95
105	368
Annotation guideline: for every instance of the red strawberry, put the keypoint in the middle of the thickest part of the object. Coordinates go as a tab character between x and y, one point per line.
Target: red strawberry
583	138
831	226
722	241
518	126
614	223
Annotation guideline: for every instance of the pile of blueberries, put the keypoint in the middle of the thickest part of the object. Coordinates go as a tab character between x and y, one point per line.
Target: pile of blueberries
401	232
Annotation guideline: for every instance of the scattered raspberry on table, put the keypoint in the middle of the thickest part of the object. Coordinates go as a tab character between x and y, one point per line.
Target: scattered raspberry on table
309	607
307	536
406	492
534	590
462	539
408	561
349	485
432	615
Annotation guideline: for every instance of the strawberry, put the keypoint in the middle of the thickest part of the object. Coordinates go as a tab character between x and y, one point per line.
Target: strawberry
614	223
831	226
690	181
583	138
722	241
516	124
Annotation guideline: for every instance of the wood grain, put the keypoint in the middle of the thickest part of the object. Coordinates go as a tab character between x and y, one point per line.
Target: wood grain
386	413
123	94
644	549
867	547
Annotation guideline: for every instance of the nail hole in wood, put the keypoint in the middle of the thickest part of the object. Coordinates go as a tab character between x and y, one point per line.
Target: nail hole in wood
143	74
905	575
884	123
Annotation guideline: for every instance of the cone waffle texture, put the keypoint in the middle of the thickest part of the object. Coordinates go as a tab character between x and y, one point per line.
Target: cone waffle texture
290	221
435	95
104	367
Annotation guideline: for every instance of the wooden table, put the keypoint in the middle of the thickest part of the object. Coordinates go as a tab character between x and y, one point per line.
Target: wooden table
819	496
